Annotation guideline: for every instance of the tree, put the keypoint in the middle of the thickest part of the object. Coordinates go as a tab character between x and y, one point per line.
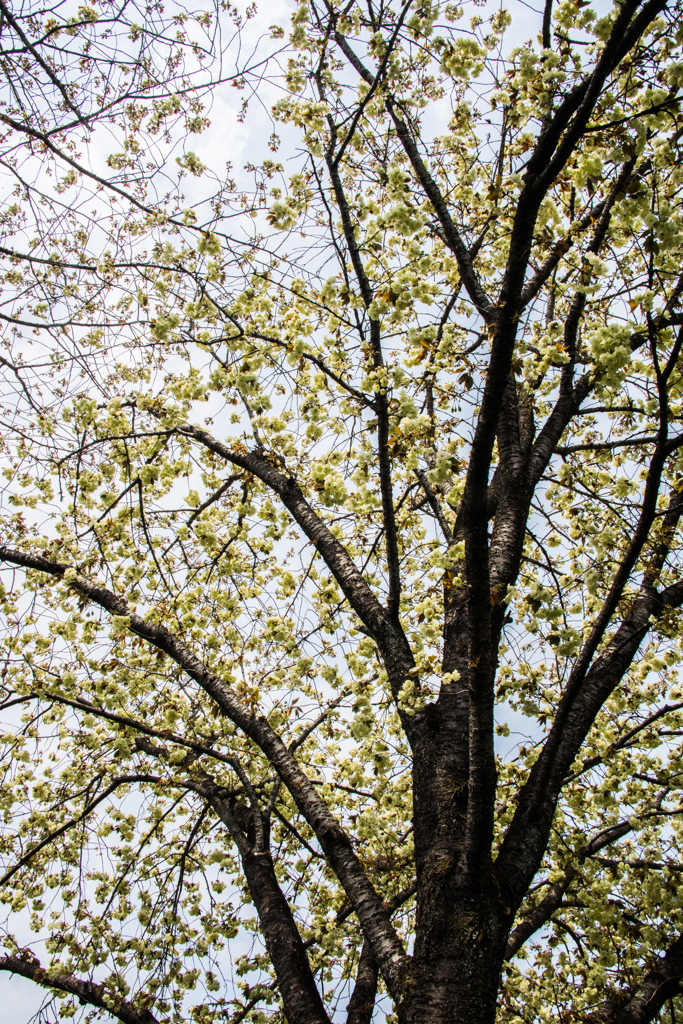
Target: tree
341	536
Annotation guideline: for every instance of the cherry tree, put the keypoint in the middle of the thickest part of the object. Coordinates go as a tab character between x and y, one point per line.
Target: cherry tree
341	554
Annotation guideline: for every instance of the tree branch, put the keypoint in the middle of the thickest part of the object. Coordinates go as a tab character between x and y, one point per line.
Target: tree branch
381	402
300	995
362	1003
451	234
42	63
526	835
85	991
373	916
642	1003
388	633
121	780
603	211
558	141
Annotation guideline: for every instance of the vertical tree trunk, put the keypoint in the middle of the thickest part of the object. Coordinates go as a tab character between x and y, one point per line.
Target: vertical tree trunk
362	1003
461	985
459	950
461	922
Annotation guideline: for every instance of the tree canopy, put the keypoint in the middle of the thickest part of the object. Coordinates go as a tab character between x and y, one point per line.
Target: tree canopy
340	528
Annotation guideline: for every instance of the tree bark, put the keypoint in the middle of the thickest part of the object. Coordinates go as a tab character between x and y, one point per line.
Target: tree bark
455	971
300	996
362	1003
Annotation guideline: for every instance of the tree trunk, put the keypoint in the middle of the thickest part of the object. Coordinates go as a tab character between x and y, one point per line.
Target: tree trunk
462	921
461	985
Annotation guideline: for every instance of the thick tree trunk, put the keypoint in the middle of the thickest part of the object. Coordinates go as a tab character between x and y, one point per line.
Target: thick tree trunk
455	972
452	988
460	940
461	922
